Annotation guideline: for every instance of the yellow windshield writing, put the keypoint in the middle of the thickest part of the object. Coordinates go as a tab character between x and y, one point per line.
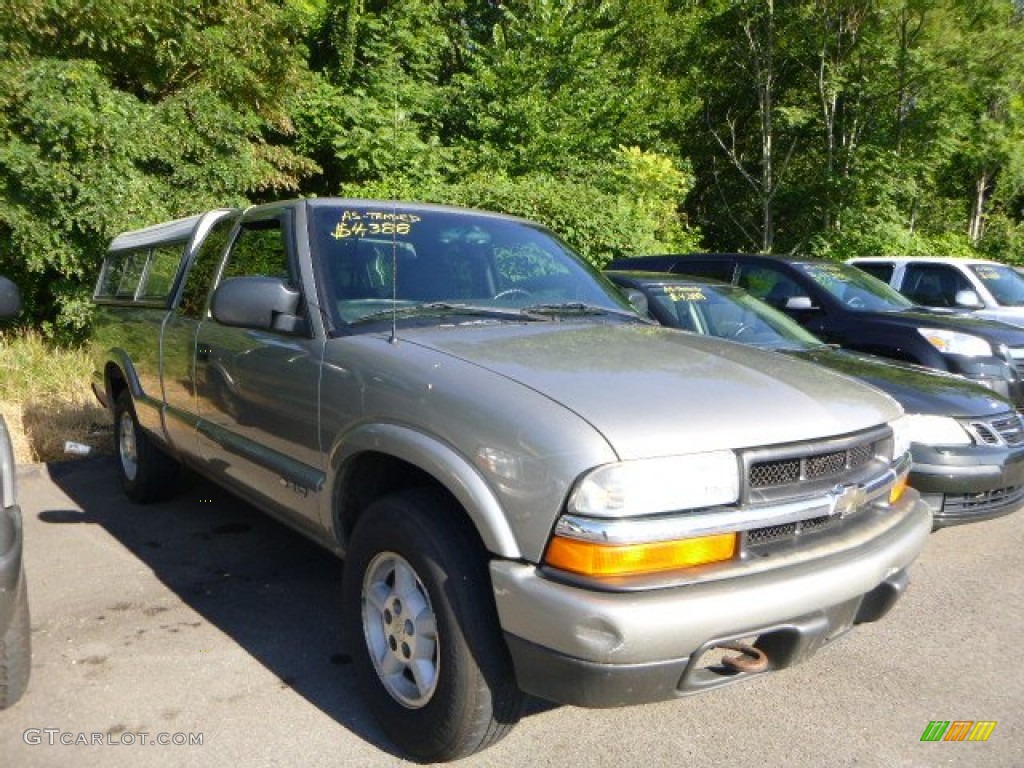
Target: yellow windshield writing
370	223
679	293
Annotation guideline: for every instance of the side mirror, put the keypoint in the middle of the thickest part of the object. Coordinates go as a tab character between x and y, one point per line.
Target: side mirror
10	298
637	299
800	303
967	299
267	303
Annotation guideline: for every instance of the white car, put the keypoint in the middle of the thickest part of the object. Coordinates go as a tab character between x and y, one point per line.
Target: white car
987	288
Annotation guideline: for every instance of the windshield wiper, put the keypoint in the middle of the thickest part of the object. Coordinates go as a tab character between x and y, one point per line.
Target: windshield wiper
441	308
578	308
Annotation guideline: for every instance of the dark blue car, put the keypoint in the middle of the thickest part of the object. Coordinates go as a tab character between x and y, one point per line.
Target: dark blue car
843	305
967	442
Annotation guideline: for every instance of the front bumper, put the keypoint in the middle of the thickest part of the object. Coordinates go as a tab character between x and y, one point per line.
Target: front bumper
964	484
11	572
589	648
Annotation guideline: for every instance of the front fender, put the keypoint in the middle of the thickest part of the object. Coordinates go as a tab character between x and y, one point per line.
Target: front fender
441	462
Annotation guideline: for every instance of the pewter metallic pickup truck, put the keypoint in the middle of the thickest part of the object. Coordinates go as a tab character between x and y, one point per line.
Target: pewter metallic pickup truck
534	489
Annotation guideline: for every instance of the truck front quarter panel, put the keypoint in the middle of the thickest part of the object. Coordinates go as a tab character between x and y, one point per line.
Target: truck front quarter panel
508	454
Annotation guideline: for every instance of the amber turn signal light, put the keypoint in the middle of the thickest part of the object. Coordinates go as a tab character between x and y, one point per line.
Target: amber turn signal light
597	559
896	492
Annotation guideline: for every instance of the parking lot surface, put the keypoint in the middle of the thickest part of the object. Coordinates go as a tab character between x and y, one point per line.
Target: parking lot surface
201	632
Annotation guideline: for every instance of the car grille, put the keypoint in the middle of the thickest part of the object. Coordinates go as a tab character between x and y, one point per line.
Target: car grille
776	533
980	503
779	472
1005	429
785	473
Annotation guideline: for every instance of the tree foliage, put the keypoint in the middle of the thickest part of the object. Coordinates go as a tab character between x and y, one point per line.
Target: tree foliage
117	115
837	127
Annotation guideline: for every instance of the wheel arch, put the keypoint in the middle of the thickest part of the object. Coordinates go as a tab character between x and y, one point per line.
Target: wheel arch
119	374
375	460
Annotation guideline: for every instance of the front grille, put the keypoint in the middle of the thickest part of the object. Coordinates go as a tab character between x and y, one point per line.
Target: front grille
774	533
767	474
771	473
822	469
1006	429
980	503
861	454
1010	429
985	433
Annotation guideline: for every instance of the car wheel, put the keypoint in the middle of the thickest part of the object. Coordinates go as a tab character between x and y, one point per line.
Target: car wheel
427	650
15	651
146	472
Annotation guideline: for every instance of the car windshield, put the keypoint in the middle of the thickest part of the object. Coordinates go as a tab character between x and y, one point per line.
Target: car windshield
1004	283
856	289
373	257
728	313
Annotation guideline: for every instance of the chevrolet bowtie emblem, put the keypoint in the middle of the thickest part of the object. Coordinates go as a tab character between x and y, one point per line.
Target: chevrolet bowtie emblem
845	499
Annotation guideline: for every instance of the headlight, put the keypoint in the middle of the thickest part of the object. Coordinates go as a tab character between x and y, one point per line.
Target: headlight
649	486
956	343
900	436
935	430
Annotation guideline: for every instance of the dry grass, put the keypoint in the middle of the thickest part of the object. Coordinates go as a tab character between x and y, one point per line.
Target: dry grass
46	400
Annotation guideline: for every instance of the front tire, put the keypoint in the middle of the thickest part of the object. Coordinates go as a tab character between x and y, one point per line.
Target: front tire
147	473
15	651
427	649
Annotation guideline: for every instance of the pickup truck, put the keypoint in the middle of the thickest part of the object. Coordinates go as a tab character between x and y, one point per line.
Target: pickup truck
534	489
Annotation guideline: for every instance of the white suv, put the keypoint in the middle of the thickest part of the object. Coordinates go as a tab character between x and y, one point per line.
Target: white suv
987	288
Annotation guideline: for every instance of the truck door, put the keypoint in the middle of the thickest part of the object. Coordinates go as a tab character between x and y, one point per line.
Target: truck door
178	343
257	389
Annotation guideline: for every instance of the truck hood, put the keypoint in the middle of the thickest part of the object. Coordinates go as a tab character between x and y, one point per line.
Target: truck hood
653	391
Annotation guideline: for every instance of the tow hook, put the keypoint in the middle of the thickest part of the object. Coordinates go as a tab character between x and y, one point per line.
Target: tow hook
751	659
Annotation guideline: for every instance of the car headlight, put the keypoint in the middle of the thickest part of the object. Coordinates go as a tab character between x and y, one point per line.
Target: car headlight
901	438
649	486
935	430
956	343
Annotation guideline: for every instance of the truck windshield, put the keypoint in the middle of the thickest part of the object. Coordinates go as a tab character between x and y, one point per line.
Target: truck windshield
855	289
374	256
1004	283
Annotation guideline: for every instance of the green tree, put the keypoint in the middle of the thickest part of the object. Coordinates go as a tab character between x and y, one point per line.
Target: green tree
117	115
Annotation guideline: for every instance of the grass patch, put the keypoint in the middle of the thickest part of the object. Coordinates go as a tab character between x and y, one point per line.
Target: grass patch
46	400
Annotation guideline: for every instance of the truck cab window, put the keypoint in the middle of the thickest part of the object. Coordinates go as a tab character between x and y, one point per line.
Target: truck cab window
161	271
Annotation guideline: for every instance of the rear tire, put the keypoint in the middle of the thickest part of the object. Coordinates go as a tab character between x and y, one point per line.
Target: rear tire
16	651
147	473
428	654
